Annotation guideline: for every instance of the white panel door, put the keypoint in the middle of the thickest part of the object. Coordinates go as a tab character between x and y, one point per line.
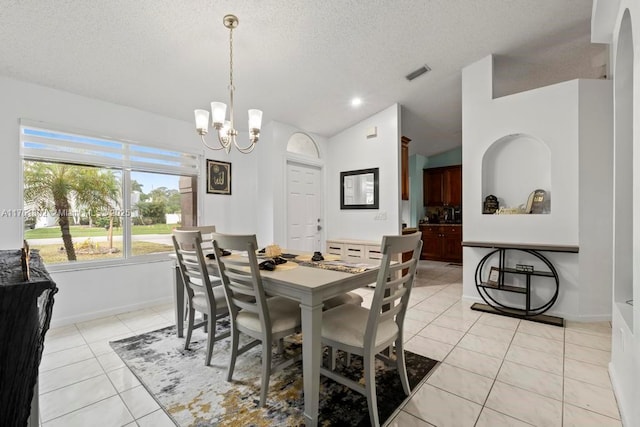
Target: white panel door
304	206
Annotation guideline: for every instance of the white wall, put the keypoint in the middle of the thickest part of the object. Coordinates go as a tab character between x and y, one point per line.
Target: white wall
235	213
549	114
595	183
351	150
573	119
624	368
90	293
93	293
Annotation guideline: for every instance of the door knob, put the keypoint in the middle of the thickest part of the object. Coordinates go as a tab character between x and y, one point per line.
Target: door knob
319	227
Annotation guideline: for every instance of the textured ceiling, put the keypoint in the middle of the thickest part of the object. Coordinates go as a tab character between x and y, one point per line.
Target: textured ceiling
300	61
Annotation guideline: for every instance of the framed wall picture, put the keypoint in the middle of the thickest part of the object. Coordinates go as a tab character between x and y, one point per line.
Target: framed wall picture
218	177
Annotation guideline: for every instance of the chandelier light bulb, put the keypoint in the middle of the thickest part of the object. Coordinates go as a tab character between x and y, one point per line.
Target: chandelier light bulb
255	119
218	113
202	121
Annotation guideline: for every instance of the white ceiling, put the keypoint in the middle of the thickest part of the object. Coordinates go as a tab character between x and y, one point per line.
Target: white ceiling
301	61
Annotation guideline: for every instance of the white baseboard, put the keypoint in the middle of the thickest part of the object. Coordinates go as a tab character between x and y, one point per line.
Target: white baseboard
83	317
589	318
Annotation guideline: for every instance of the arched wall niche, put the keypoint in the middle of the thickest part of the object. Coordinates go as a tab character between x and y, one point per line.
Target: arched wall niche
513	167
623	169
302	144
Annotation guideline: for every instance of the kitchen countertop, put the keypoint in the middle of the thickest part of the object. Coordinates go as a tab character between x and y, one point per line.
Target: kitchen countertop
429	224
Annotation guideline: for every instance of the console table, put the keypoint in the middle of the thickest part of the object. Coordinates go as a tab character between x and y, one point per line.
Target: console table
25	313
487	286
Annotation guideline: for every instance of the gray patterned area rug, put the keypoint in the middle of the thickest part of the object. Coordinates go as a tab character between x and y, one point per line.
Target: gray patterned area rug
197	395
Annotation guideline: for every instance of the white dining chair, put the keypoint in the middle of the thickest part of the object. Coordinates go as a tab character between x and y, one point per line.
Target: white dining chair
206	232
204	293
369	332
265	318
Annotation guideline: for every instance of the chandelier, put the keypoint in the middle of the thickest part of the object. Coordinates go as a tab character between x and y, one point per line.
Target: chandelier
225	130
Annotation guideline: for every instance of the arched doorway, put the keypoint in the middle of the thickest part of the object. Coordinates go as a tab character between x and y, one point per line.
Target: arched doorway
304	193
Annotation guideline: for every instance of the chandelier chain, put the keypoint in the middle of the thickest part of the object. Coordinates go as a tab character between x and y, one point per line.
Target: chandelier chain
231	88
231	57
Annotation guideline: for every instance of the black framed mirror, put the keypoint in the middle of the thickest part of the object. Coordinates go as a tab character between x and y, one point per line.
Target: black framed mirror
359	189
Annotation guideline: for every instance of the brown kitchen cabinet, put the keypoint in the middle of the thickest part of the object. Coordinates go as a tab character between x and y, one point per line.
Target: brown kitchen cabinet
452	244
430	242
443	186
432	187
442	242
452	184
405	167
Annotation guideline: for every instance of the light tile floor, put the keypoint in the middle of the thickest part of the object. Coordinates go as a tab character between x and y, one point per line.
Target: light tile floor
496	371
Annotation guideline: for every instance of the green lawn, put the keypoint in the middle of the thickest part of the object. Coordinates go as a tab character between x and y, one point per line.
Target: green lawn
52	254
86	231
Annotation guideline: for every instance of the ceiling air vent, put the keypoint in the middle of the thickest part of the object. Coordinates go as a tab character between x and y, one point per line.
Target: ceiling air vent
417	73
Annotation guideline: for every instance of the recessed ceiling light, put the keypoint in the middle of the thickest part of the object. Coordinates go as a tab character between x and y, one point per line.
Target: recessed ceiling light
356	102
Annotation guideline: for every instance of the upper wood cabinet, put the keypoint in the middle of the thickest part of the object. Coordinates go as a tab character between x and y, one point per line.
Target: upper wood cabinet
405	167
433	187
452	183
443	186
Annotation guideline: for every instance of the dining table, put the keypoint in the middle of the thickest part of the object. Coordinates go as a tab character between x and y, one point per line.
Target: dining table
310	284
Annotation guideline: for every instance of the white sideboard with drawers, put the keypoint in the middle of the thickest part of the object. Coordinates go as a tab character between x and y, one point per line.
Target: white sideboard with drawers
354	249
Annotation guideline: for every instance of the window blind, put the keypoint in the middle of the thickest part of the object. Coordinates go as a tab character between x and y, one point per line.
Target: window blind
40	142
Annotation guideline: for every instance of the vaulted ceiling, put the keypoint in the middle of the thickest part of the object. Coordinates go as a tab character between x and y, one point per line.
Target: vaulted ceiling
300	61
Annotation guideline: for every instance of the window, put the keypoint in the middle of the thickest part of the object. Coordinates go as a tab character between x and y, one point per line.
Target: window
89	199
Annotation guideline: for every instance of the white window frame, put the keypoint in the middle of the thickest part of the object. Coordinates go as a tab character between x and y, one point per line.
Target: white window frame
112	153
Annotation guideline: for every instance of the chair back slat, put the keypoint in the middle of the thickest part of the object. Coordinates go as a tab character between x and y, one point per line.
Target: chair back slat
399	266
240	275
390	313
394	282
239	280
191	262
396	293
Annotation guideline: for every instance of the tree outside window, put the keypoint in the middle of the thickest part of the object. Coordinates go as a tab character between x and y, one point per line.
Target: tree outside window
76	213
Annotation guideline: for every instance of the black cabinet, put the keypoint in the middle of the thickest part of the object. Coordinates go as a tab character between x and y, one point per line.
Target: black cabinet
25	313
